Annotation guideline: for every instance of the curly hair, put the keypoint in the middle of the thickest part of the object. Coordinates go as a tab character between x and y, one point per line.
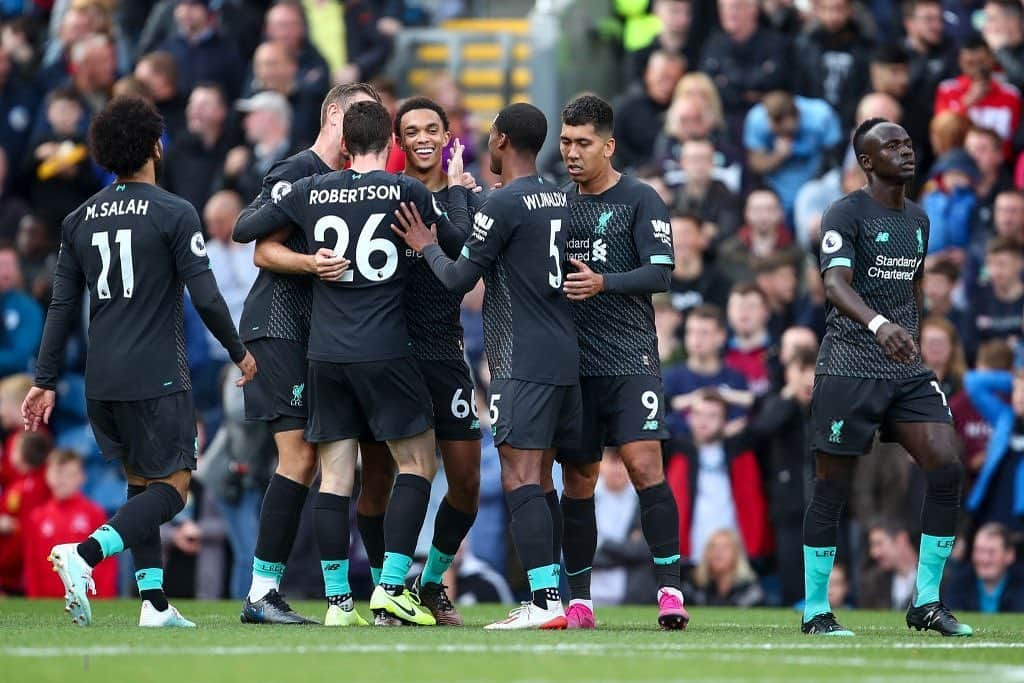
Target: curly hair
123	135
414	103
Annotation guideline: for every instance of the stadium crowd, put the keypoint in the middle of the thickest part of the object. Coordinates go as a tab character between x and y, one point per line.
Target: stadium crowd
740	117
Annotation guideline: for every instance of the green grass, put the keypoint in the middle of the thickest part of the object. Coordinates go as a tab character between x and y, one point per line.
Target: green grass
38	643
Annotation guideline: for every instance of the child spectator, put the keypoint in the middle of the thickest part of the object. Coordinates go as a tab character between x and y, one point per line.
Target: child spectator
17	501
695	280
724	577
950	204
992	582
704	340
750	345
67	516
717	483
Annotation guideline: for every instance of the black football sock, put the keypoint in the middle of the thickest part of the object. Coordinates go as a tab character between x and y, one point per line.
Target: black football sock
330	524
279	519
531	532
402	524
450	526
580	544
371	530
147	556
821	532
659	518
551	498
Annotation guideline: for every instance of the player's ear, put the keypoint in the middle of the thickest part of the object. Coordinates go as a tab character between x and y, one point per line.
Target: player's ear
447	137
344	147
865	163
609	148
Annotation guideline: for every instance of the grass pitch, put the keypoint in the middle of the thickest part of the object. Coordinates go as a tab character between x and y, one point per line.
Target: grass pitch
38	643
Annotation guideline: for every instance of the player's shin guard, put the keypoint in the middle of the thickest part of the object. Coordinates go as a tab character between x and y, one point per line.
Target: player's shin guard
531	532
450	527
135	521
330	522
279	524
371	530
402	525
821	531
659	518
580	544
938	528
557	524
147	556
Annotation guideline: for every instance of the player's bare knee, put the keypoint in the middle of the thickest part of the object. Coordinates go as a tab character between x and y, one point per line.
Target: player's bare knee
645	471
297	458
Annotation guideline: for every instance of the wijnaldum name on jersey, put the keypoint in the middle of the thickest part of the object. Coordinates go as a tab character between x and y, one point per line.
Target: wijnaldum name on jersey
542	200
122	207
357	194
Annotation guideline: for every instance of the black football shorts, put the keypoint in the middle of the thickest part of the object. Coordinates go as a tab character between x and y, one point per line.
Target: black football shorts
847	411
451	389
277	394
535	416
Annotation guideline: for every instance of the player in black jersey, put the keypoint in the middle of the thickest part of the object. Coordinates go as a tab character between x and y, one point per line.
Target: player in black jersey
620	243
870	375
135	247
432	314
361	376
275	324
518	246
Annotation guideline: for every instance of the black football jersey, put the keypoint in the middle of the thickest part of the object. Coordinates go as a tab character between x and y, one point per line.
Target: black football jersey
133	245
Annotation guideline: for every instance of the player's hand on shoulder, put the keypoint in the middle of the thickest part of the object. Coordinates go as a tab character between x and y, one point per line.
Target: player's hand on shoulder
329	266
248	367
37	407
412	229
584	283
897	343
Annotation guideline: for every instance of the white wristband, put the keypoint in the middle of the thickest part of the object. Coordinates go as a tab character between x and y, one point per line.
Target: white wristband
877	322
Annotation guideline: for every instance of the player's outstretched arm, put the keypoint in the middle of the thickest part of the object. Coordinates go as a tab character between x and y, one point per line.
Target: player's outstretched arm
210	305
896	341
457	276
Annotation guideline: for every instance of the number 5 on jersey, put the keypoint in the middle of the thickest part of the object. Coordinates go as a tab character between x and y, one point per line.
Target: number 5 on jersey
123	238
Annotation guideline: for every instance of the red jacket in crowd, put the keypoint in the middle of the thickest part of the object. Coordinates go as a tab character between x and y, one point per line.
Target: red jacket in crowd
18	500
63	521
752	364
999	109
751	504
973	429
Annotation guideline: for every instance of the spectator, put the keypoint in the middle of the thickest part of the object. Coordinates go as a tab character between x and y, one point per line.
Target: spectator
704	339
201	51
192	165
997	495
75	24
950	203
364	47
986	100
947	131
992	582
1008	223
889	581
159	72
267	122
231	262
37	258
65	518
275	68
696	280
940	279
744	60
641	112
750	344
18	104
777	277
834	54
839	586
942	353
782	423
889	72
972	428
717	483
675	18
93	71
932	54
814	198
1003	31
997	310
24	491
703	195
286	24
667	323
12	208
724	577
763	234
985	147
22	317
788	139
60	175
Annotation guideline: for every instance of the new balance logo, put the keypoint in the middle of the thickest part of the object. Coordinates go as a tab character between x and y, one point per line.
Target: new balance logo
882	237
482	225
837	431
651	426
297	395
600	252
662	231
332	567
